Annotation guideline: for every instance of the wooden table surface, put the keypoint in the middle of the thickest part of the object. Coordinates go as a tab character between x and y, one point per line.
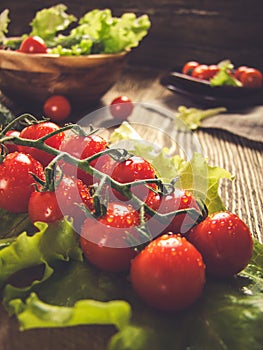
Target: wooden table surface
240	156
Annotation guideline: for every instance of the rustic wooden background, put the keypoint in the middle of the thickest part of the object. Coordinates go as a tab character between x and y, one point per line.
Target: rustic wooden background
182	30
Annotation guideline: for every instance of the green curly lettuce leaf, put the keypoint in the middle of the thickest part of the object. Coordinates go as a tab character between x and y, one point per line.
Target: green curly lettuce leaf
192	117
224	77
49	21
4	21
56	241
34	313
99	32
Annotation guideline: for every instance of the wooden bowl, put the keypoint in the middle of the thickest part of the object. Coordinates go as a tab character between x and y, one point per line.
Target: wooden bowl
34	77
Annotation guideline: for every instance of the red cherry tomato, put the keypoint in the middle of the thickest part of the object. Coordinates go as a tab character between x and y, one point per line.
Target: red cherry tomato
57	108
11	146
251	78
213	69
239	71
182	223
133	169
82	147
33	44
105	241
65	200
189	67
36	131
225	243
16	181
169	274
201	72
43	206
71	194
121	107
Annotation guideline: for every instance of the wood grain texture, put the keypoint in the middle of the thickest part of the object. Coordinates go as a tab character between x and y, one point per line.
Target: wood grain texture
208	31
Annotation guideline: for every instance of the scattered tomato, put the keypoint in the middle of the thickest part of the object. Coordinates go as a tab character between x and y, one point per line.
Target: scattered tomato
57	108
251	78
189	67
105	241
169	274
121	107
36	131
225	243
16	181
33	44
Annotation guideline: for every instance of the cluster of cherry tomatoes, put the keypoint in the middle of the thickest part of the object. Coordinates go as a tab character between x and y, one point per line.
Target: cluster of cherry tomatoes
249	77
168	269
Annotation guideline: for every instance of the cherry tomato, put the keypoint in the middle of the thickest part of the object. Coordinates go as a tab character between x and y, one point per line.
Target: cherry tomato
189	67
16	181
57	108
201	72
213	69
36	131
182	223
225	243
251	78
11	146
133	169
121	107
105	241
71	194
65	200
82	147
169	274
43	206
33	44
239	71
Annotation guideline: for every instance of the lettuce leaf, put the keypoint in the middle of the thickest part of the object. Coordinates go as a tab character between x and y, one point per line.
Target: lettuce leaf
99	32
192	117
56	241
224	77
48	21
4	21
34	313
195	175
